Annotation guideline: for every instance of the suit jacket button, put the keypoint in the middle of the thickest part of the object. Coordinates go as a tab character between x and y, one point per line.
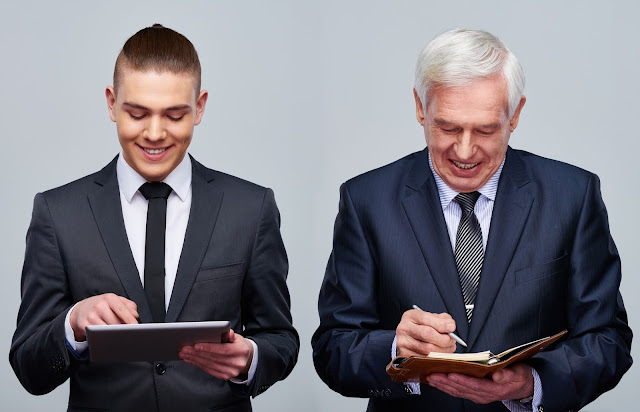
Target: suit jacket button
57	364
160	368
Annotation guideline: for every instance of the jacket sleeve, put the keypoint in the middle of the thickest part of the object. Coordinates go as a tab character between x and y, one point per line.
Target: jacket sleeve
350	349
38	353
266	306
597	353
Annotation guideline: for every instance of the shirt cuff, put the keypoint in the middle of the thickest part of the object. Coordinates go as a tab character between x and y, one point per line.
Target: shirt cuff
533	406
411	388
76	347
537	391
252	368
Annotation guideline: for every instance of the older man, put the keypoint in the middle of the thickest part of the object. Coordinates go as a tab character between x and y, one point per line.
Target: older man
499	245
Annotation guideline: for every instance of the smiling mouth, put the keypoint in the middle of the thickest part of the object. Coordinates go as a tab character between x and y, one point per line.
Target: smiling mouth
154	151
464	165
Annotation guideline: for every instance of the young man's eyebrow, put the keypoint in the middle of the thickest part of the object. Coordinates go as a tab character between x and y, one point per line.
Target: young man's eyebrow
134	106
141	107
178	107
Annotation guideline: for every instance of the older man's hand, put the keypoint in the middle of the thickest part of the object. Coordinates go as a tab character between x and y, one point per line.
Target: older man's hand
420	333
514	382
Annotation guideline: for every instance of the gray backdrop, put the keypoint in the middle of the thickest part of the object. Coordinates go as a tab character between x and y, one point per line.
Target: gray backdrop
302	96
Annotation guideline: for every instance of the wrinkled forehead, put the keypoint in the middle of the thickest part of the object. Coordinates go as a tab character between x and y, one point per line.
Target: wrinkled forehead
482	93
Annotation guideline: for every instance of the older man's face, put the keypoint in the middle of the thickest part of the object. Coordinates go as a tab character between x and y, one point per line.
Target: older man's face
467	131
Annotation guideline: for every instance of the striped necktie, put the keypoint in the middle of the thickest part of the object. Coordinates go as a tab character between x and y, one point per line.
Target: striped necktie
469	253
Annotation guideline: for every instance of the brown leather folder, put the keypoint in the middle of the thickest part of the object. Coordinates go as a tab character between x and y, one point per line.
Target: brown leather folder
417	368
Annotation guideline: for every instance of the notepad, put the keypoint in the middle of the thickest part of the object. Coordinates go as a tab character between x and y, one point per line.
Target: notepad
478	364
486	357
480	357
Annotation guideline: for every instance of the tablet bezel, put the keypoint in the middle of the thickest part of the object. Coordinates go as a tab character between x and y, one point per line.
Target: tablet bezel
150	341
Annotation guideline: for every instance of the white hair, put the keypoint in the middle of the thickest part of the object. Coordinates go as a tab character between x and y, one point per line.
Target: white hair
458	57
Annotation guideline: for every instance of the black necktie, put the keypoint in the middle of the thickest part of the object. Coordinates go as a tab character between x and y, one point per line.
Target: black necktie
469	253
156	193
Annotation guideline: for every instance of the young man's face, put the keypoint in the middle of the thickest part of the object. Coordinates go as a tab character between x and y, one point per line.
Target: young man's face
155	114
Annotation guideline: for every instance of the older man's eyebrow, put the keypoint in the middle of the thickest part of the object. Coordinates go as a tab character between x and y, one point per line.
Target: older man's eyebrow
443	122
490	126
446	123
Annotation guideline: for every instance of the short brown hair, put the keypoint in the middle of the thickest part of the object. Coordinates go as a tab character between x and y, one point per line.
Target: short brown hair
159	49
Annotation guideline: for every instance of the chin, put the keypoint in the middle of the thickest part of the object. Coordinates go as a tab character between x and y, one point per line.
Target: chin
153	175
465	186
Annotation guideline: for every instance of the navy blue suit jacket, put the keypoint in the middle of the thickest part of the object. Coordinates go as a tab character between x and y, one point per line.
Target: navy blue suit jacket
550	264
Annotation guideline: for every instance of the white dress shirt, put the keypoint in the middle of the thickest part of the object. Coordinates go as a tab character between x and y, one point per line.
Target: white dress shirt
134	212
483	210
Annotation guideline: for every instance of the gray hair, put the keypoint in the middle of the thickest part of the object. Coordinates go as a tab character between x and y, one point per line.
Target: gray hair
458	57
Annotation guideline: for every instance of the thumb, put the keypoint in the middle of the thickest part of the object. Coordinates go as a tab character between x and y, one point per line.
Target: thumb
498	376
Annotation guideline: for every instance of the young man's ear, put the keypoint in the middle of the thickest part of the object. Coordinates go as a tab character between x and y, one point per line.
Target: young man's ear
200	104
110	93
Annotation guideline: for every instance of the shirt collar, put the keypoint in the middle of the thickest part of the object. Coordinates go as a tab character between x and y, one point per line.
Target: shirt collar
447	194
130	181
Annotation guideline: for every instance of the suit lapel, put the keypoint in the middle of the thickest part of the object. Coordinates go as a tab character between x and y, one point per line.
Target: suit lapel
107	212
511	209
205	205
422	206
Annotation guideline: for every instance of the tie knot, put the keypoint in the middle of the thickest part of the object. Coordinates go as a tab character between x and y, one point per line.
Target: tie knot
155	190
467	201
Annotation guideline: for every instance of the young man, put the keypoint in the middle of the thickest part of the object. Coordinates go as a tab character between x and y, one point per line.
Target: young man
93	249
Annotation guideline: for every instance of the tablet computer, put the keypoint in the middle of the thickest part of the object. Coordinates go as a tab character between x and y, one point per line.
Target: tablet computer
150	341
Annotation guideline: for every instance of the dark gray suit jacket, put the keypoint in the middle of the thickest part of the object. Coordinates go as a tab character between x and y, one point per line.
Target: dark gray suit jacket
233	267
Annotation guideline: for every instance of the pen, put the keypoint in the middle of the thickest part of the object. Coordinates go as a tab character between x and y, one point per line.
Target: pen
453	335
